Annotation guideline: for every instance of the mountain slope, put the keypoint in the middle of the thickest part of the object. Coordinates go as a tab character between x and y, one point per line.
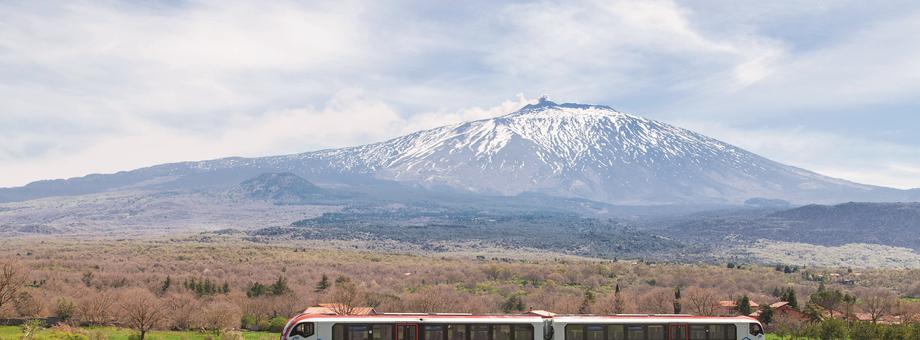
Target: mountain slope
568	150
592	152
281	187
890	224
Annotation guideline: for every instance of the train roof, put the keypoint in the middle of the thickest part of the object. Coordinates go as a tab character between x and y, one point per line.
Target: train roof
522	318
644	318
426	317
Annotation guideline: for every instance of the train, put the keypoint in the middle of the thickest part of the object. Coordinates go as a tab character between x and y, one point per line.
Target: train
530	326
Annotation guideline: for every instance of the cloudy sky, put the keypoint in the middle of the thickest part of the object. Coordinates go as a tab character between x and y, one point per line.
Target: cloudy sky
102	86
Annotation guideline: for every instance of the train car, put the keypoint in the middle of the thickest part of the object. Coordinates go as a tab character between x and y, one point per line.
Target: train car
415	327
656	327
520	327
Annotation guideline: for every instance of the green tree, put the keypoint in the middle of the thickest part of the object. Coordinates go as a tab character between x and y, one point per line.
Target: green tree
513	303
323	284
827	299
677	306
744	305
618	307
789	296
830	329
585	307
280	287
65	309
766	315
166	284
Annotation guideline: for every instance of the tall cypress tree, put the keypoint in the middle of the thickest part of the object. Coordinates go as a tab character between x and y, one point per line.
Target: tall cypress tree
677	306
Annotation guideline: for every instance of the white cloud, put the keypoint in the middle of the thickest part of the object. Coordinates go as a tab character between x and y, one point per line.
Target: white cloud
848	157
348	118
105	86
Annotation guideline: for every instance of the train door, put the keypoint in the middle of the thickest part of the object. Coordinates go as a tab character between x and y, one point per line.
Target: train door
406	331
678	332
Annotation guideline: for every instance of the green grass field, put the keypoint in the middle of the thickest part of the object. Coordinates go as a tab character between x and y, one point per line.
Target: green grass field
114	333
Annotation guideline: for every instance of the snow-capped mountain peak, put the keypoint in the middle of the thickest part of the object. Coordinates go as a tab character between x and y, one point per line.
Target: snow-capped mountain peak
581	150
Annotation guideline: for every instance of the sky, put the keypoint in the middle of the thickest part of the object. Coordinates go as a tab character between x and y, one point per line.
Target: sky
104	86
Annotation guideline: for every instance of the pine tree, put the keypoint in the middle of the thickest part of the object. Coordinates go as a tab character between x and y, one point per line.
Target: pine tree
766	315
280	287
744	305
322	285
789	296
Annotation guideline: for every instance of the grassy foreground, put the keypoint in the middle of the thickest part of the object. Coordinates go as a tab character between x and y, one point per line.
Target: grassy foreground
114	333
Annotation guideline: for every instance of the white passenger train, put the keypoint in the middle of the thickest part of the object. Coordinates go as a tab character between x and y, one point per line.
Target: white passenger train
405	326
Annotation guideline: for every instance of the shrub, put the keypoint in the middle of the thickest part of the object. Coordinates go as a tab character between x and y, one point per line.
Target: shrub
97	335
65	309
231	335
263	325
276	324
250	322
30	328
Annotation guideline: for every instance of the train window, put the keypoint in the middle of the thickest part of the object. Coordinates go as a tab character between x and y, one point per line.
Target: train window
303	329
338	332
635	332
479	332
594	332
523	332
357	332
575	332
381	332
433	332
501	332
616	332
456	332
697	332
655	332
722	332
756	329
717	332
730	332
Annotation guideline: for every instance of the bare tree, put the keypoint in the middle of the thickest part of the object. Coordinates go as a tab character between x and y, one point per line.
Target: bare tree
658	301
433	299
877	302
13	277
27	305
909	312
95	308
702	301
141	310
182	310
345	298
786	325
220	315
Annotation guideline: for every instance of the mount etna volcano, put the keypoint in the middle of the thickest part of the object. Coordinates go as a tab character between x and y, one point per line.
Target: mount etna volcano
590	152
